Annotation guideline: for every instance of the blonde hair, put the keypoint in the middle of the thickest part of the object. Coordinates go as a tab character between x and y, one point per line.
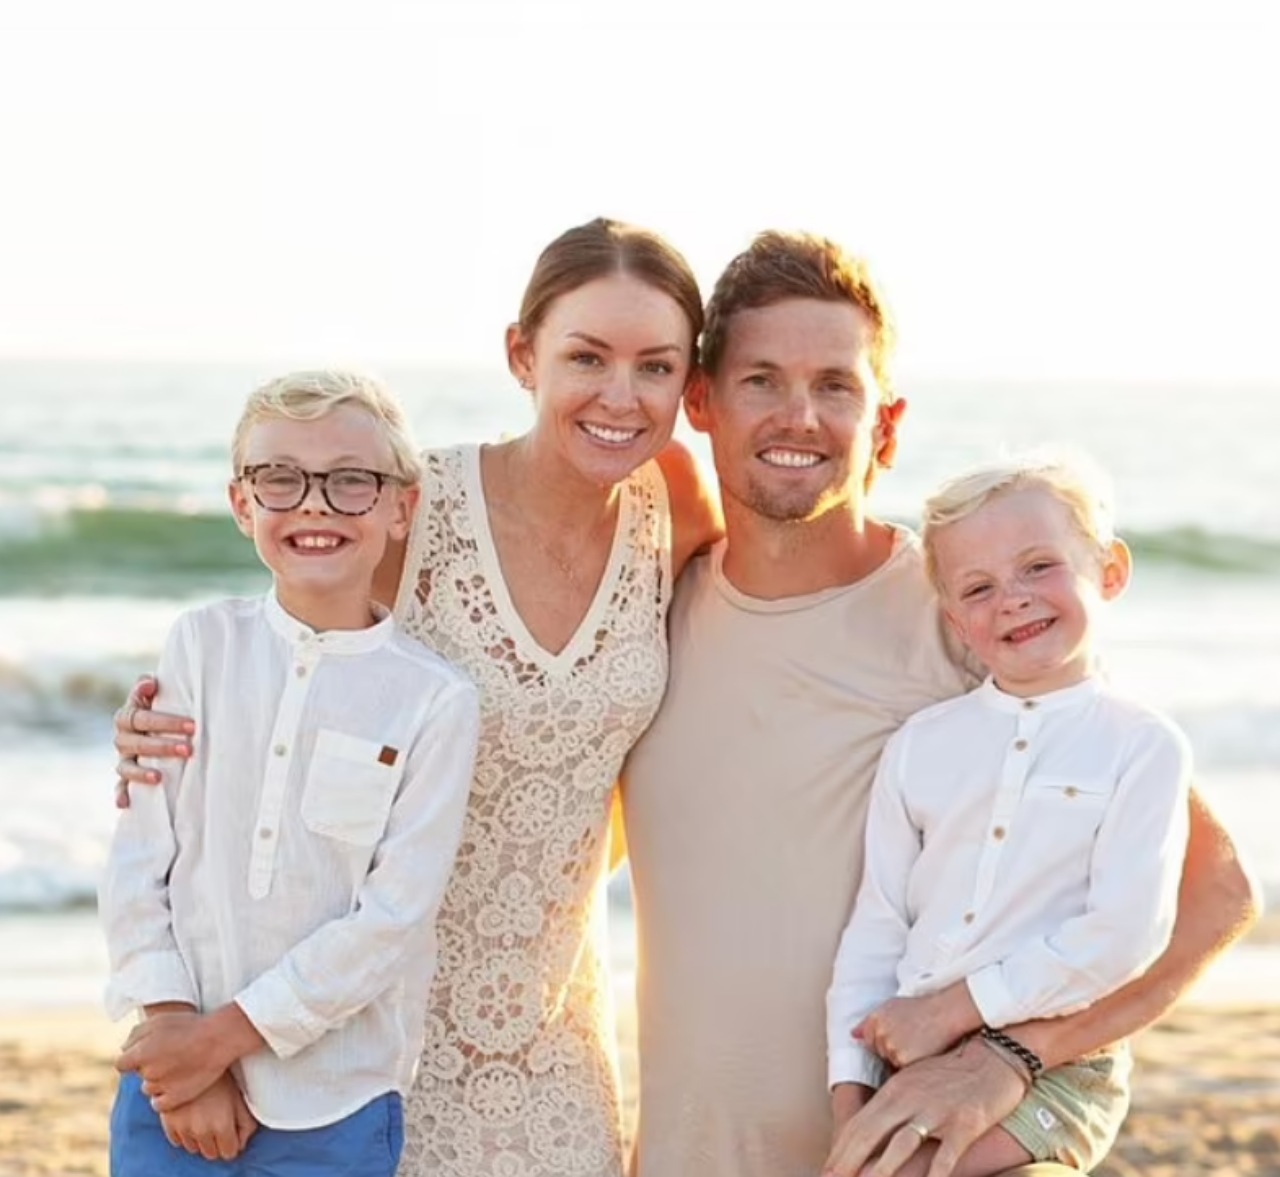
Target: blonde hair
310	395
1074	479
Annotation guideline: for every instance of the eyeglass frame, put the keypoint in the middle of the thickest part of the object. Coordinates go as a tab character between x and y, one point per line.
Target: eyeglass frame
249	474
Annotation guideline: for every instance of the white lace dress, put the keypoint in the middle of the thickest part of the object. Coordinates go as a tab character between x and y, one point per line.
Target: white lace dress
518	1078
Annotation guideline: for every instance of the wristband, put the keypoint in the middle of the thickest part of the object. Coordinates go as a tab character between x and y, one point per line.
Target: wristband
1032	1061
1015	1064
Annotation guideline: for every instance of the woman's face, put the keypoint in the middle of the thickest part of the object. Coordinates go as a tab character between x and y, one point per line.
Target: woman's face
607	368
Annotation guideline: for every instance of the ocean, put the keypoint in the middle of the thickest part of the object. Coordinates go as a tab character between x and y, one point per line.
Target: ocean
113	517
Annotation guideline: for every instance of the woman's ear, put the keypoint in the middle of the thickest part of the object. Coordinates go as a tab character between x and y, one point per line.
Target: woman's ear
520	356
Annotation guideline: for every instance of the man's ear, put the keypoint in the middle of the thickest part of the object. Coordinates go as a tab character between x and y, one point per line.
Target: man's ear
697	393
1117	569
241	507
884	436
520	356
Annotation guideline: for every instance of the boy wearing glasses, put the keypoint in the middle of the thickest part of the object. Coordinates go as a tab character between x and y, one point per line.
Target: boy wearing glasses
270	910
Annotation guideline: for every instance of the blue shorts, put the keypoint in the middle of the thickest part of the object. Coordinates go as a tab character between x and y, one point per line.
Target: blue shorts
366	1143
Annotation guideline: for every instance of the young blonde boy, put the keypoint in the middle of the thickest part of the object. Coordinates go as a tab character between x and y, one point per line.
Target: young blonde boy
1025	841
270	909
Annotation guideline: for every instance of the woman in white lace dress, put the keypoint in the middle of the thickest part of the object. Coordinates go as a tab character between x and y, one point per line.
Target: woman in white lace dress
543	567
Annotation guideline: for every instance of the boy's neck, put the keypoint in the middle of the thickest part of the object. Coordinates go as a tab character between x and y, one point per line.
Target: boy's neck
1048	684
329	610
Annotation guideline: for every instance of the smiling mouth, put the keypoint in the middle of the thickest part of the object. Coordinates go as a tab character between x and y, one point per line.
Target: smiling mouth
789	459
316	544
1032	629
609	435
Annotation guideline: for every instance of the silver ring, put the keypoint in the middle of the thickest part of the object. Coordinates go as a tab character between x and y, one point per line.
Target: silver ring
920	1130
130	715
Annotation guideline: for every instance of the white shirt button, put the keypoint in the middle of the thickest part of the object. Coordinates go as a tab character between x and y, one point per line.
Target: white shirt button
1020	745
279	749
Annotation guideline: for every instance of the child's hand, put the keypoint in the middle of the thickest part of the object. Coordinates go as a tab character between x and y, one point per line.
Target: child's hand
181	1054
216	1124
907	1029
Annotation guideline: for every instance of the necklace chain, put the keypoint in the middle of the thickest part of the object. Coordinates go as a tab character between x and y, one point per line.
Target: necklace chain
529	528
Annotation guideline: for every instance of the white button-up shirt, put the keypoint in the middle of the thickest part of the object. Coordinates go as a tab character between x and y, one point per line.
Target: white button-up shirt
1029	847
296	863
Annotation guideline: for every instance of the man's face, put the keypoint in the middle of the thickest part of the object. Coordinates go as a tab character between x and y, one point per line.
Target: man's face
794	411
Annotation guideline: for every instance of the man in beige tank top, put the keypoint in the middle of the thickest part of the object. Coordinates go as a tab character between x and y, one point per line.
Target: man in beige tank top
798	645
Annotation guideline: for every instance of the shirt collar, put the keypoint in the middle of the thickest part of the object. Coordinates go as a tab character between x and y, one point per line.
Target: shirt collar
299	635
1073	696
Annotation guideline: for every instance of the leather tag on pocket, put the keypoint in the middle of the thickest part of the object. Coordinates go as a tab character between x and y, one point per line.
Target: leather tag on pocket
388	755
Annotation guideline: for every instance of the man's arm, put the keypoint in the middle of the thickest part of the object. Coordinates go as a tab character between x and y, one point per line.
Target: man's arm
961	1094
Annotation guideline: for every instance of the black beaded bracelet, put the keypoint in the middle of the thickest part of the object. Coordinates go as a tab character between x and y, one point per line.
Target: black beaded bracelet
1034	1063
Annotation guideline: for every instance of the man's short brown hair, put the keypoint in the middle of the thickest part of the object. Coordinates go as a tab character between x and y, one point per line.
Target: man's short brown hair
779	266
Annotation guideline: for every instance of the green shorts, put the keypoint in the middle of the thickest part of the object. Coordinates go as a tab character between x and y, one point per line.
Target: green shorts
1073	1113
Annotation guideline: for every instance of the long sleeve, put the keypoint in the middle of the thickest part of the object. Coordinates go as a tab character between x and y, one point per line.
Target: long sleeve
342	966
133	897
1132	896
865	971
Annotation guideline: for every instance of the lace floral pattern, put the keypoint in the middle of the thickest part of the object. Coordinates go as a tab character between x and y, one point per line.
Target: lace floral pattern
517	1078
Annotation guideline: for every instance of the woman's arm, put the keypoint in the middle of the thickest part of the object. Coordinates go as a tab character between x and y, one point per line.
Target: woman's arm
696	522
140	731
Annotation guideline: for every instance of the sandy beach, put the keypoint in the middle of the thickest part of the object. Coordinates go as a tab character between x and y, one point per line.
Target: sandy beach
1207	1092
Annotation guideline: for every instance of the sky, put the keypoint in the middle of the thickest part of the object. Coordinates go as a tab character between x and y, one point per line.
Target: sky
1084	190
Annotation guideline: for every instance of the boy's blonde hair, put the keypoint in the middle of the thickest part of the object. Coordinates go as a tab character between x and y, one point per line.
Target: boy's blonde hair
309	395
1073	479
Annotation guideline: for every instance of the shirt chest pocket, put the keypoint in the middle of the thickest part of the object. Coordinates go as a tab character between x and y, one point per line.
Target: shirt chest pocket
349	787
1067	795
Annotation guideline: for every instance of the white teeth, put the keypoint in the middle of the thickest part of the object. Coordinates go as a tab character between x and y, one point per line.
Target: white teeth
316	541
612	436
795	459
1031	630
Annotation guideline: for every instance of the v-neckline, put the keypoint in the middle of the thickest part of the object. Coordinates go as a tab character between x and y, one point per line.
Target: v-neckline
583	637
